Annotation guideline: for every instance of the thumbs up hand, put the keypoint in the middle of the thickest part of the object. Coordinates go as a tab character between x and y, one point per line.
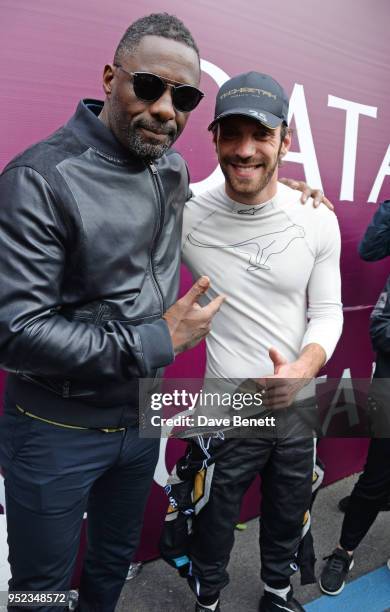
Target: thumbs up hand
277	358
187	321
279	390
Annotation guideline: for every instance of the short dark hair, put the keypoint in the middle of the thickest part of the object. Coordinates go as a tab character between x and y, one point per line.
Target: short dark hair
156	24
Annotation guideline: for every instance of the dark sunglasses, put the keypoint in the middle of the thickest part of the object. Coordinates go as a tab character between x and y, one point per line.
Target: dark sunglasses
150	87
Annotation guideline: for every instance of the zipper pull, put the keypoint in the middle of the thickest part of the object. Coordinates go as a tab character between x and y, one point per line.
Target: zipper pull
66	388
153	168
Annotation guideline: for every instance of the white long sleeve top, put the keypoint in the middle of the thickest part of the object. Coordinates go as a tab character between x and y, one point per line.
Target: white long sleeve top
278	265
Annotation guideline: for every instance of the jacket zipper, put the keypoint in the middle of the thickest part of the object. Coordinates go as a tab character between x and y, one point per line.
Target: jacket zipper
66	388
161	205
99	314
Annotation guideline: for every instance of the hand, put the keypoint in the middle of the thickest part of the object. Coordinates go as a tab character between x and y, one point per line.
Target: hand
187	321
308	192
279	390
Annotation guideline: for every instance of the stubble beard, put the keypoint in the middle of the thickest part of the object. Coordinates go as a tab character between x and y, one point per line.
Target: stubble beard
247	189
241	187
128	133
144	149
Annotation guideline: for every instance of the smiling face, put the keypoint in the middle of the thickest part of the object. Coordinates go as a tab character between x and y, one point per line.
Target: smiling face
148	129
249	154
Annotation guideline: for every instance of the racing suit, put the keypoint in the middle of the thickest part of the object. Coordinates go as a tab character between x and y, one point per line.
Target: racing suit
278	265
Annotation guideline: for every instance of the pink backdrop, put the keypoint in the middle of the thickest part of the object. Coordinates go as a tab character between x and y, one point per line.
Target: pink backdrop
53	53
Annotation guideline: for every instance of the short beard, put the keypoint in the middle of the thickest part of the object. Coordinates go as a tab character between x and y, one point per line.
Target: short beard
261	185
128	134
250	190
146	150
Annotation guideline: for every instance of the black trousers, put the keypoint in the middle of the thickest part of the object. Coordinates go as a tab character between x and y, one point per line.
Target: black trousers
370	491
53	475
286	468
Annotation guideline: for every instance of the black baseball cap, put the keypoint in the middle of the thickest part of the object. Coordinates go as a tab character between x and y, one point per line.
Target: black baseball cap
253	95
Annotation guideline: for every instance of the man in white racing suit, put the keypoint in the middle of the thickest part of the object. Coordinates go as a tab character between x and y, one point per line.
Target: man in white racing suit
277	262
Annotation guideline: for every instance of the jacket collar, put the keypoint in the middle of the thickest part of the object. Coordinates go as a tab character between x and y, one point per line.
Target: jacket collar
94	133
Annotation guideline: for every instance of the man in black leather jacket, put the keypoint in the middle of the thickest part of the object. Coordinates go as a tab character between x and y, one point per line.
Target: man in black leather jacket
90	223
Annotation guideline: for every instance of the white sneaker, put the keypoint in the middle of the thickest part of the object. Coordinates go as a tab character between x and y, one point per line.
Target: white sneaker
134	569
73	599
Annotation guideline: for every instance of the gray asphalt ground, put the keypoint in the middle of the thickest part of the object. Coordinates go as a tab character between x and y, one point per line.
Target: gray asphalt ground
158	588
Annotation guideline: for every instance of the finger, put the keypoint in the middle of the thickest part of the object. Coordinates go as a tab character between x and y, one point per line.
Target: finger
289	182
197	289
276	396
279	389
212	307
275	404
306	193
260	383
317	196
327	203
277	358
274	382
281	395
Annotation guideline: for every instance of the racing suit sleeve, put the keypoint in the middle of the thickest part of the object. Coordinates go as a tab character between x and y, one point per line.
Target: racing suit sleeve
325	312
376	240
35	338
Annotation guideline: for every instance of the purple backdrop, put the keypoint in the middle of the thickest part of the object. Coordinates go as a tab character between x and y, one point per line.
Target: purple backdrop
332	57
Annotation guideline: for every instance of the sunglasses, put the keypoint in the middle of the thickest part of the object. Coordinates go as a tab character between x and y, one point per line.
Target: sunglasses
149	87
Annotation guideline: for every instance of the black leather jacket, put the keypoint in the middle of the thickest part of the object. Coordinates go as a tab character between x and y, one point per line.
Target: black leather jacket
89	261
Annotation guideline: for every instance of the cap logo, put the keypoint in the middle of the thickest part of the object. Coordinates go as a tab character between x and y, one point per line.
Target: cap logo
248	90
258	115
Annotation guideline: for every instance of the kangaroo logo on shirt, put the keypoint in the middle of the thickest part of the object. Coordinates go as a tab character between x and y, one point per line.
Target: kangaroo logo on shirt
259	249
